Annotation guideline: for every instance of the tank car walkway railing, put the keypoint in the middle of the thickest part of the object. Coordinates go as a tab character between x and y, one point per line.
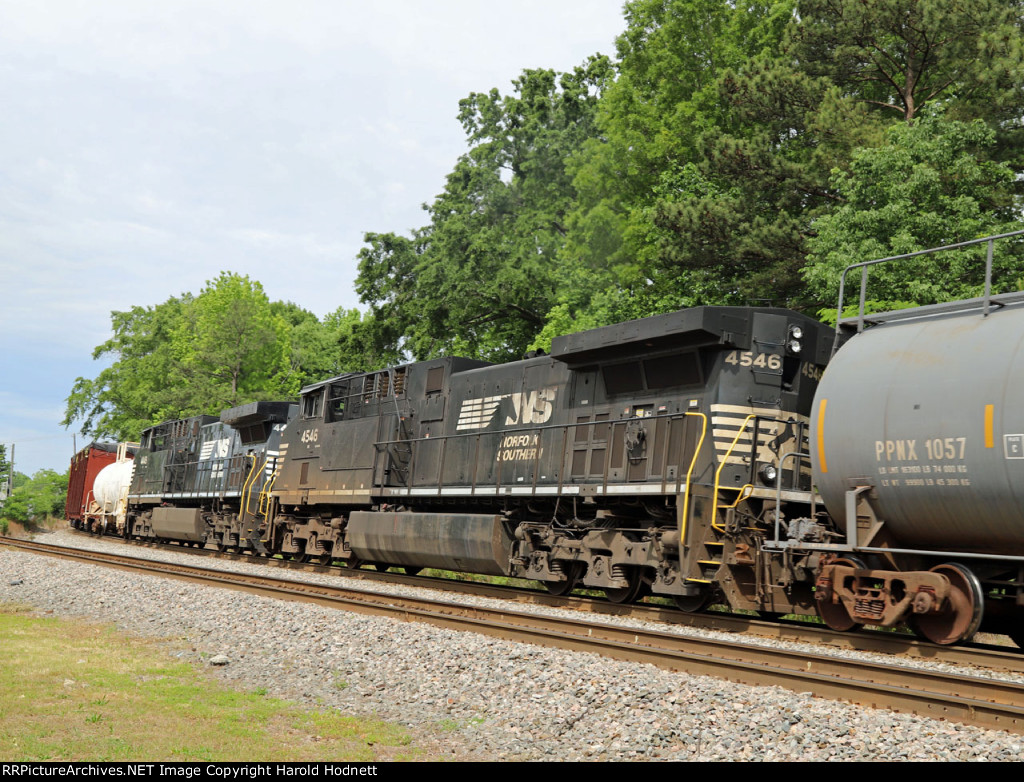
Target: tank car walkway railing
983	303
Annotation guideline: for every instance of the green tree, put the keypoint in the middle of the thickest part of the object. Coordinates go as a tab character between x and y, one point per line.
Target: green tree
42	496
143	385
480	278
200	354
899	56
231	346
720	136
932	183
671	56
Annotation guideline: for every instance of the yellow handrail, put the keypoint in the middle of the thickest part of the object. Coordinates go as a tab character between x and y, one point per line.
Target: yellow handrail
689	475
245	486
259	472
265	493
718	474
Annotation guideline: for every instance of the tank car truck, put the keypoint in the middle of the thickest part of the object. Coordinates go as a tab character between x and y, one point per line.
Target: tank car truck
918	453
205	480
645	457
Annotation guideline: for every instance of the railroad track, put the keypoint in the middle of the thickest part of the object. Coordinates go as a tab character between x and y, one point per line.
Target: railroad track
970	699
1007	658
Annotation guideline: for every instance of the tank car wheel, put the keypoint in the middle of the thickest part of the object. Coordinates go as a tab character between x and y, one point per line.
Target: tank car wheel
627	594
961	618
836	617
693	604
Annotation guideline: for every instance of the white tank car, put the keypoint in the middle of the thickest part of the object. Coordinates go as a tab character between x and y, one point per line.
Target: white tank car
110	493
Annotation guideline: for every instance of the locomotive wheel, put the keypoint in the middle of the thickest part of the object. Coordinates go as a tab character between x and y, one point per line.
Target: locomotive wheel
836	616
627	594
573	571
961	616
693	604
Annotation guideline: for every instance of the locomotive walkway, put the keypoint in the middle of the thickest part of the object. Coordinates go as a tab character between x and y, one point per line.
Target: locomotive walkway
969	699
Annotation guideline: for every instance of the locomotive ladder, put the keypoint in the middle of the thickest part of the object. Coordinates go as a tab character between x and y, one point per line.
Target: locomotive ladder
711	560
398	448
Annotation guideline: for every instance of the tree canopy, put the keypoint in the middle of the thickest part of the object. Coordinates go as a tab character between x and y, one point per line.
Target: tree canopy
202	353
45	494
480	278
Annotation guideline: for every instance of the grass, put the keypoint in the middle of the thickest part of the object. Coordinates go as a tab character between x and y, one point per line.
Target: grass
71	691
480	578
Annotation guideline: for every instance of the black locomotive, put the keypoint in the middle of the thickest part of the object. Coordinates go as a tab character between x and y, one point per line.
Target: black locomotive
205	480
646	457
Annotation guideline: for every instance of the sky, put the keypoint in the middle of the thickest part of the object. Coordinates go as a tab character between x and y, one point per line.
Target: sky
147	146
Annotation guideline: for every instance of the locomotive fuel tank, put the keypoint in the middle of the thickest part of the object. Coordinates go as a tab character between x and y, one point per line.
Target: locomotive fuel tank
467	542
925	411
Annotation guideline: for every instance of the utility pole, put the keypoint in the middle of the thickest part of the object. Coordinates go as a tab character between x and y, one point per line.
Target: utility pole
7	481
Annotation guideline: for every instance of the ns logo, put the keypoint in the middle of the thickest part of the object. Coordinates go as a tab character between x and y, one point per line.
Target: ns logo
528	407
533	407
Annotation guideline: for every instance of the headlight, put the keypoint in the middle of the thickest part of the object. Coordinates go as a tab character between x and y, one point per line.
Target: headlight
768	474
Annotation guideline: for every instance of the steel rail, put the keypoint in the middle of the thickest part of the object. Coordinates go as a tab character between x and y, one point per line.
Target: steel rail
980	655
972	700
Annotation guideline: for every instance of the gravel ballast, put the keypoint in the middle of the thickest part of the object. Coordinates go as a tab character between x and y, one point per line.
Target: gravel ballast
469	697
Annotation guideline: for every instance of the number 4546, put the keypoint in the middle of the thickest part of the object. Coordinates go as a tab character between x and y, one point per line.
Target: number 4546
748	359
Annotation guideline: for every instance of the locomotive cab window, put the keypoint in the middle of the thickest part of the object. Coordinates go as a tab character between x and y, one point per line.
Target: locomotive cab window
312	404
337	398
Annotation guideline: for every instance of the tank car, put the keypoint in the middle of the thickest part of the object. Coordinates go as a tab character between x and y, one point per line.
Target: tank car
94	466
205	480
918	453
646	457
